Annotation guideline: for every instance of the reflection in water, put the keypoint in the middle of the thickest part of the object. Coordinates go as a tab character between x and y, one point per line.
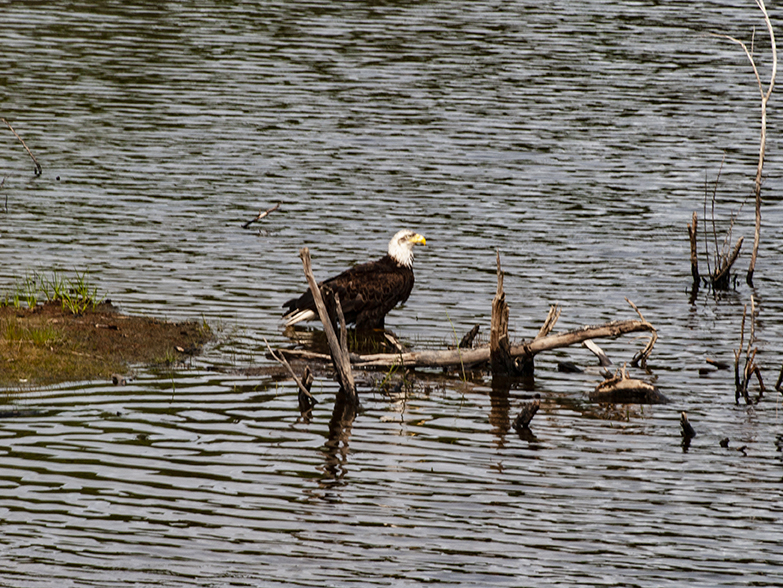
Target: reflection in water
500	405
336	448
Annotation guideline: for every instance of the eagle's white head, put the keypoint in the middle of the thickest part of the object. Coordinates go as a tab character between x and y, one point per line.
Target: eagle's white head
401	246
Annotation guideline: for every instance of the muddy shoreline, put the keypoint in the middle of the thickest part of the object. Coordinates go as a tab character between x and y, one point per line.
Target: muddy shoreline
48	344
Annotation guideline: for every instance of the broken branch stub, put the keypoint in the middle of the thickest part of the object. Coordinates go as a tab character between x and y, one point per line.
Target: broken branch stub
500	358
693	236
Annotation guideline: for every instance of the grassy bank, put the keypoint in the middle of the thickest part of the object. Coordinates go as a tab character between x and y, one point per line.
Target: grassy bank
57	329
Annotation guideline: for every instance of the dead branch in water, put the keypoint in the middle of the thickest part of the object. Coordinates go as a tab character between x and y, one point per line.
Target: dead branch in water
30	153
467	341
742	377
693	235
500	358
526	414
261	214
603	359
622	389
763	139
339	353
306	400
481	355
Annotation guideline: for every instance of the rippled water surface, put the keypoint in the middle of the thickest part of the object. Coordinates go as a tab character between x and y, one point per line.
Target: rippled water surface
574	138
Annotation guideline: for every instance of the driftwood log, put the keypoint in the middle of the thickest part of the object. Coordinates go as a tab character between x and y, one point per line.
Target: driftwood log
481	355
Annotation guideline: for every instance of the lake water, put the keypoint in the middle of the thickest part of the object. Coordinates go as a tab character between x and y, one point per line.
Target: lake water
576	139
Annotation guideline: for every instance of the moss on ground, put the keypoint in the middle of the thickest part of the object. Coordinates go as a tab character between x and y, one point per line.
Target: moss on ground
48	344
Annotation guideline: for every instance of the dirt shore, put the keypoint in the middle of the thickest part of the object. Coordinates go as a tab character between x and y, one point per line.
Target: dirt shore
49	345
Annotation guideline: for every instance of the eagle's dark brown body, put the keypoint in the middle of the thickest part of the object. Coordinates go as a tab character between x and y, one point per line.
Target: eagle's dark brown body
367	292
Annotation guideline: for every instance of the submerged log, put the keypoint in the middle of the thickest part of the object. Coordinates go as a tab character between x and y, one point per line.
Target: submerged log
622	389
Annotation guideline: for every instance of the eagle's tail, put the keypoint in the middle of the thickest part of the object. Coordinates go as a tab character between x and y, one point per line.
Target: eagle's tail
297	316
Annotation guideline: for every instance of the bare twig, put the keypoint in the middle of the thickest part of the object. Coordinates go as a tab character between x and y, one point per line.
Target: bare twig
720	280
282	360
30	153
261	215
763	139
742	377
644	354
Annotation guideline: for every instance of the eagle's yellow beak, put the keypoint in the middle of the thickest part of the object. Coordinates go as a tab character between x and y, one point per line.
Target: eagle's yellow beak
418	239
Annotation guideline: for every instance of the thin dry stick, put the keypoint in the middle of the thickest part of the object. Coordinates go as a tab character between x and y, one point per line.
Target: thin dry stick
693	236
644	354
35	161
763	140
261	215
282	360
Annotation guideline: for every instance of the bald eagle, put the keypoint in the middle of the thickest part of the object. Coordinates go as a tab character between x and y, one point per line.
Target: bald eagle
367	291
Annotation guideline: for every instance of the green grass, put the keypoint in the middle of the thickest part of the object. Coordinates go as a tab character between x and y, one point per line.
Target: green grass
39	336
76	294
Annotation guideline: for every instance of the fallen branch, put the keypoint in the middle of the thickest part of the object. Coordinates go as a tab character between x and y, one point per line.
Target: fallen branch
481	355
339	354
30	153
261	215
